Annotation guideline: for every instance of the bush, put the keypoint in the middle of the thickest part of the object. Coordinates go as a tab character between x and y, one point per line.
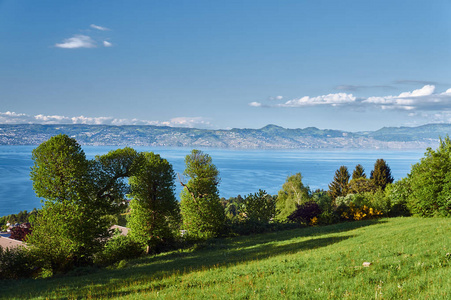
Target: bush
306	213
352	212
398	194
16	263
116	249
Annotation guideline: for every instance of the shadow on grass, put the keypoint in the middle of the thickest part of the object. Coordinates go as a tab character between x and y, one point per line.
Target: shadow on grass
214	253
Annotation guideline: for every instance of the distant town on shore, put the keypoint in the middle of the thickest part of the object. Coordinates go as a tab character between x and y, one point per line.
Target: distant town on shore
268	137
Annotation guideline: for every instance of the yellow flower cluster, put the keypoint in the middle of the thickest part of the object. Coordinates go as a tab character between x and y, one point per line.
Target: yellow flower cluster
313	221
360	213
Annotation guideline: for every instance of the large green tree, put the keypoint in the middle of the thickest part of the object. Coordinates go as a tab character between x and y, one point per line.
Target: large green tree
259	207
78	194
202	212
293	193
339	186
430	182
381	175
154	207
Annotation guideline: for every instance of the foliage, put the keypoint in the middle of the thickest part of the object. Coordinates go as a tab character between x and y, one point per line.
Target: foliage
398	194
154	206
79	194
202	212
63	236
359	172
430	182
21	217
355	213
16	263
306	213
259	207
118	248
339	185
20	232
381	175
361	206
327	206
60	169
362	185
293	192
232	208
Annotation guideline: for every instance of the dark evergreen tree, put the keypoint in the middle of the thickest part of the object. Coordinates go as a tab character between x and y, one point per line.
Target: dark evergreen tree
381	175
339	186
359	172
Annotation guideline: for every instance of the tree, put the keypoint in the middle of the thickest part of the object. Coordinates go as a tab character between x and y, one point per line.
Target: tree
60	170
359	172
339	186
430	182
259	207
202	212
78	193
154	206
381	175
362	185
293	192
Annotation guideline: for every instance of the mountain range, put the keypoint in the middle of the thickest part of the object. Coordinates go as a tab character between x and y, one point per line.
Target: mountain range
268	137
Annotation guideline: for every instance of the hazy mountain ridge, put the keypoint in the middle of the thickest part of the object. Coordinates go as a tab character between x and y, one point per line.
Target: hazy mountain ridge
268	137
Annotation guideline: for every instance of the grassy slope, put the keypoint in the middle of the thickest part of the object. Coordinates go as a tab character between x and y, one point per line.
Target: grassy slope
408	257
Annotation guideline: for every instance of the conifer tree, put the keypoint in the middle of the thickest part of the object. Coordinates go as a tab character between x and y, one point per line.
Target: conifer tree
359	172
381	175
339	186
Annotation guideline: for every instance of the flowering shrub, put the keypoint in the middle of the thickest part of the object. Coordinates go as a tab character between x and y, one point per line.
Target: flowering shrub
353	212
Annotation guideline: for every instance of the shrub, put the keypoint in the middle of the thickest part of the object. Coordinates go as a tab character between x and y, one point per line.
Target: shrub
306	213
398	194
116	249
355	213
16	263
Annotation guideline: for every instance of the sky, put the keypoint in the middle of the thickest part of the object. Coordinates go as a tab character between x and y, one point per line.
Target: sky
347	65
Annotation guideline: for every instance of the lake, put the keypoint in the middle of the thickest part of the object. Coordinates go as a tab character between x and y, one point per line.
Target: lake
241	171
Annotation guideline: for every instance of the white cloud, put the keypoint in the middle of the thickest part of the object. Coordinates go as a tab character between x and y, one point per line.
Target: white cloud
330	99
107	44
77	41
424	99
20	118
99	27
255	104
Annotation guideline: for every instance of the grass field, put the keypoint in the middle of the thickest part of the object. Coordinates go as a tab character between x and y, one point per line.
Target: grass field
409	260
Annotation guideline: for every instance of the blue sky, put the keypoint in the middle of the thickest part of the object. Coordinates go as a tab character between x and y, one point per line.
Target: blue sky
350	65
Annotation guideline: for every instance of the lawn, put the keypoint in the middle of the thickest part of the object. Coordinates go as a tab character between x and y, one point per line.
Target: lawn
409	260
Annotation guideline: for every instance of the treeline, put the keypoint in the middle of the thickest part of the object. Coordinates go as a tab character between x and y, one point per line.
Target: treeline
83	198
21	217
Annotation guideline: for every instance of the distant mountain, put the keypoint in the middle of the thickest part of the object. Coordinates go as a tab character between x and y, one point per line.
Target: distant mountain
268	137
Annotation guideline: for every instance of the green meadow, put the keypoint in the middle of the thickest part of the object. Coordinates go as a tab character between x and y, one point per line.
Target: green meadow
410	259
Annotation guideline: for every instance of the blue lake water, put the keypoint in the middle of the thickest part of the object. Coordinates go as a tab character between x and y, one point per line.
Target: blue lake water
241	171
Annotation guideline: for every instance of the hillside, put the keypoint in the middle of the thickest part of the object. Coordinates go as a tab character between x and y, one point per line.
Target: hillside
410	259
268	137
